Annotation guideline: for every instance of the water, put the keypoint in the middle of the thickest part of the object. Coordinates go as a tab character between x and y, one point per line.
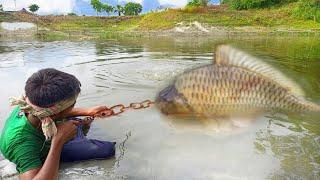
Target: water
17	26
153	146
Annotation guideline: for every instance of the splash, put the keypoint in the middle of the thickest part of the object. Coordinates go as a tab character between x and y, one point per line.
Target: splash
7	169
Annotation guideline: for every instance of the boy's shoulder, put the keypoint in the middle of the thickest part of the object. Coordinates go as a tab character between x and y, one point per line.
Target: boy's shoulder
15	122
21	143
17	129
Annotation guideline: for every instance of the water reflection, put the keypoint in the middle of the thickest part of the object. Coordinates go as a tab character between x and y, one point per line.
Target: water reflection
297	149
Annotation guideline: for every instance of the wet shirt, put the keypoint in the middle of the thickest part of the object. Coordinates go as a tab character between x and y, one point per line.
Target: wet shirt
23	144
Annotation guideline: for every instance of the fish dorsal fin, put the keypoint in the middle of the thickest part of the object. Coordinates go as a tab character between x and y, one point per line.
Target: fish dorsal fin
228	55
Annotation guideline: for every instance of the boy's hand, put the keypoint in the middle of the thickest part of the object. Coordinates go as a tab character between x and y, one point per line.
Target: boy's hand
98	111
87	121
66	131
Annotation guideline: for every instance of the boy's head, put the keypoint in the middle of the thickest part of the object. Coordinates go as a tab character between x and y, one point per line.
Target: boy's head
49	86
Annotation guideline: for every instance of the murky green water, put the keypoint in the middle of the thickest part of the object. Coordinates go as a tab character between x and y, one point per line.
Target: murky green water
151	146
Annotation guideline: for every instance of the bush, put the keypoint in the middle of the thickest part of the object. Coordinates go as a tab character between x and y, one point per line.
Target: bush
72	14
251	4
191	9
308	9
197	3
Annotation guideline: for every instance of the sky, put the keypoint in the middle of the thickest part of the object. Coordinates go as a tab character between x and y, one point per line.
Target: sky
46	6
66	6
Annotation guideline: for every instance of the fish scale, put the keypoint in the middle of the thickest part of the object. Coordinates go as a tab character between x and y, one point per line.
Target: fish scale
224	90
236	83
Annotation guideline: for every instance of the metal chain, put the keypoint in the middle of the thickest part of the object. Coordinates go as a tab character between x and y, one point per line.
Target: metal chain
120	108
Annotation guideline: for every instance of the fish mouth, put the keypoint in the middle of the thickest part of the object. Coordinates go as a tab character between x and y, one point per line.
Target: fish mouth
170	101
167	94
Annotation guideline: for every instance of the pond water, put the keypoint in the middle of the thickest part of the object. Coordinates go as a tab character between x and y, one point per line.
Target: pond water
149	144
17	26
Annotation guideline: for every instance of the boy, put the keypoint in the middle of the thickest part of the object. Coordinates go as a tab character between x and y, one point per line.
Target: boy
50	95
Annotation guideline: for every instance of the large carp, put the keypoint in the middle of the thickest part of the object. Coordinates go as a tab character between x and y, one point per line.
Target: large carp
236	84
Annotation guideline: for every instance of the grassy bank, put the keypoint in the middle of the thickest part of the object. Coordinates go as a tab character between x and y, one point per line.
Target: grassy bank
277	17
210	18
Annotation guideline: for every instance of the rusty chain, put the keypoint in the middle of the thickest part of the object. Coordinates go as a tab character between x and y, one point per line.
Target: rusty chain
120	108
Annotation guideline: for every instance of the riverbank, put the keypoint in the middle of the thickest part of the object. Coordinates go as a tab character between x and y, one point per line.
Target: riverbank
210	21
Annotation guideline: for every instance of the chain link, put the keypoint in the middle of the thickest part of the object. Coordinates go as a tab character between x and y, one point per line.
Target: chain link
120	108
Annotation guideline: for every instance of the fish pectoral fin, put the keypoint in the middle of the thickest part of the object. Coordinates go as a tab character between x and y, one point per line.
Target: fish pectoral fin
225	124
242	122
221	124
229	55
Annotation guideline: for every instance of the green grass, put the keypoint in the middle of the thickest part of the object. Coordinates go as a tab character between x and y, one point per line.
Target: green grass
278	17
160	20
91	24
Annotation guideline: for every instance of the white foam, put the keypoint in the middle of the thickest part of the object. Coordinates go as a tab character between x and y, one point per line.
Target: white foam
7	168
89	171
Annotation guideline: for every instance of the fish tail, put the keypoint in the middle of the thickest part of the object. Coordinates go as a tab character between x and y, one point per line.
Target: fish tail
311	106
315	107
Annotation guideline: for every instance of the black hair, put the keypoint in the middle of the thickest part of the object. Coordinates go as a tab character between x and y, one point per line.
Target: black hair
49	86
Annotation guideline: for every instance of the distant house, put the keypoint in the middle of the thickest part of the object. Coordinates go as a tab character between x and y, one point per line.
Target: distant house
23	10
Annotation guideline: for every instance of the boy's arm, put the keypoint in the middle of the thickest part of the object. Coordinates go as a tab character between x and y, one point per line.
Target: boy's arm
50	168
87	111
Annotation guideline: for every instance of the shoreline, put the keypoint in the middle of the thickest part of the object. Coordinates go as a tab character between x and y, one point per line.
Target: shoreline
44	33
200	22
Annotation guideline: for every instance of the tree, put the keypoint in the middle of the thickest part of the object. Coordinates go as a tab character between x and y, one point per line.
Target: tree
198	3
195	3
204	3
33	8
119	9
131	9
1	8
72	14
96	5
107	8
